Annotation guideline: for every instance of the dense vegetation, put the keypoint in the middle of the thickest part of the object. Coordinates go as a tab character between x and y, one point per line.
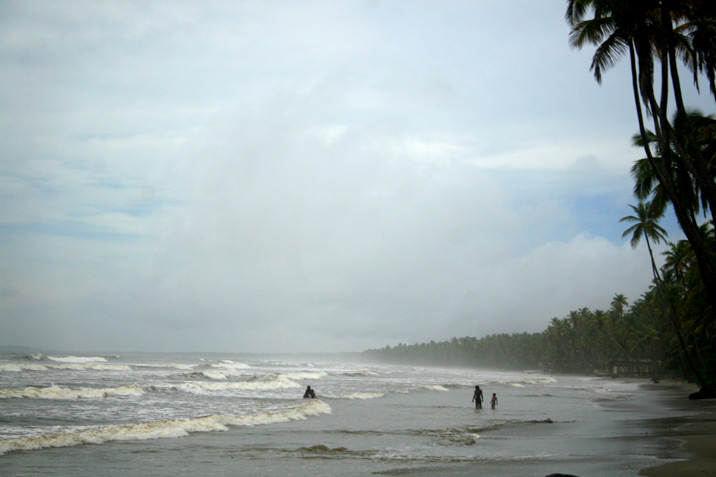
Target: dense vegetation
672	327
625	340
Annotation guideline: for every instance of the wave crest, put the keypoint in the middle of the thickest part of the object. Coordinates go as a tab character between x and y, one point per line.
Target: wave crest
203	387
355	396
166	428
58	392
78	359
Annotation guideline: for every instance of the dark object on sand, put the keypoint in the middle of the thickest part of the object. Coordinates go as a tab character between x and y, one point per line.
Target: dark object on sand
561	475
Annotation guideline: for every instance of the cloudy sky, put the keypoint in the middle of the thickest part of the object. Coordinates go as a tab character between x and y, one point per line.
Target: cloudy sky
305	176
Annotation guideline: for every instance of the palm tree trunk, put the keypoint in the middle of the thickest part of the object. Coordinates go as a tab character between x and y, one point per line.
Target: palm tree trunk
669	308
707	267
665	178
695	162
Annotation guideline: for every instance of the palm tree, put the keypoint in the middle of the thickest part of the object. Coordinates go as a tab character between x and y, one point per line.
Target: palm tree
698	132
701	29
645	225
619	302
677	260
649	30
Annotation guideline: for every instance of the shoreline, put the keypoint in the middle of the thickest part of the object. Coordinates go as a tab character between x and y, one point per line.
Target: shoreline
699	441
698	438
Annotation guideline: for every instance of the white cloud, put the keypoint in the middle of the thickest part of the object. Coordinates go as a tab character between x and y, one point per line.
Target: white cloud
257	176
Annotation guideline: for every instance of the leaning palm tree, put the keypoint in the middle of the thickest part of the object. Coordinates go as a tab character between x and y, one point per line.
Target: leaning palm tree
655	33
645	225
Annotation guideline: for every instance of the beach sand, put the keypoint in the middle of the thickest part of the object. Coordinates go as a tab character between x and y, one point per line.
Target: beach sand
699	439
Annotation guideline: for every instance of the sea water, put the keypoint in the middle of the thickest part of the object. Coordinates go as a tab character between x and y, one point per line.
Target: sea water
234	414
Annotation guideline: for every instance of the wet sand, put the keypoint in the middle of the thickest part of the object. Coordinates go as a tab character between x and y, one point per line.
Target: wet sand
699	439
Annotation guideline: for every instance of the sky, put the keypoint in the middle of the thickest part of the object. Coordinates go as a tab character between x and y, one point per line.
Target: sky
285	176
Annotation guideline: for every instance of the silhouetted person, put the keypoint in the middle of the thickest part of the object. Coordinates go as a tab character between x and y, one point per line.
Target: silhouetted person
309	393
477	397
493	401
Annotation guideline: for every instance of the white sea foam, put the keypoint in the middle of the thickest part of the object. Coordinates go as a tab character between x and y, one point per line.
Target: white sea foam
429	387
17	367
309	407
203	387
217	374
228	364
165	428
78	359
72	366
305	375
92	366
362	373
547	379
354	396
164	366
57	392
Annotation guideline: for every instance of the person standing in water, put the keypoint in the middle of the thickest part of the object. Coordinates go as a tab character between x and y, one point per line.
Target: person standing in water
493	401
477	397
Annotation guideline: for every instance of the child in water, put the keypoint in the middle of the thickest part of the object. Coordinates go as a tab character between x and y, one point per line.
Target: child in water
493	401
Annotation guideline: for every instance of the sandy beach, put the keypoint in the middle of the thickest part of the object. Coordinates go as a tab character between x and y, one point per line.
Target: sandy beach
697	435
699	443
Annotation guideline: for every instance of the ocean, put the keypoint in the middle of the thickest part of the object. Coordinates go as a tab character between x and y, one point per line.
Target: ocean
238	414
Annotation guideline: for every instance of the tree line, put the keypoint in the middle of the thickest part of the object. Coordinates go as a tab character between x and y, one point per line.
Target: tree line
663	39
671	328
626	340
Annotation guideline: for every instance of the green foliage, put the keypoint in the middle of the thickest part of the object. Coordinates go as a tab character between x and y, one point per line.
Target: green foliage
659	39
630	340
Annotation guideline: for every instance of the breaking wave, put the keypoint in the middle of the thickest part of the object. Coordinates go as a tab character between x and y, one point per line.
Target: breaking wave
429	387
185	367
57	392
203	387
78	359
92	366
228	364
165	428
362	373
354	396
17	367
305	375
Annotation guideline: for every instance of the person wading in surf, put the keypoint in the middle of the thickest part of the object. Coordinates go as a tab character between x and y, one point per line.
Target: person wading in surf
493	401
477	397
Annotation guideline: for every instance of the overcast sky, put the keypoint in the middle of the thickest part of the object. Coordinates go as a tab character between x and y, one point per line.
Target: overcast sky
305	175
